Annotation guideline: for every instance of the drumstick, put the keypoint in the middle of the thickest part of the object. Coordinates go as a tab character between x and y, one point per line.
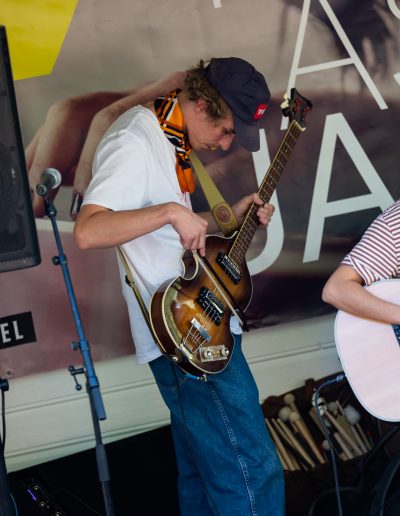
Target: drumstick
342	444
294	415
299	424
343	433
350	430
292	452
280	447
326	428
314	416
336	410
342	421
289	399
357	437
282	460
368	442
296	419
353	430
327	446
284	415
335	407
295	443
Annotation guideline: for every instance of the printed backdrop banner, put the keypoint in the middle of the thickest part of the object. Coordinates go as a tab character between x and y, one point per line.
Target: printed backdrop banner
343	56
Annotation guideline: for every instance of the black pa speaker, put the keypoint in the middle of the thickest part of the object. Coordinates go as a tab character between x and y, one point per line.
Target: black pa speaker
19	246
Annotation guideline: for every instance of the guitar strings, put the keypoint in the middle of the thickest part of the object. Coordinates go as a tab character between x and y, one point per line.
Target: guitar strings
194	333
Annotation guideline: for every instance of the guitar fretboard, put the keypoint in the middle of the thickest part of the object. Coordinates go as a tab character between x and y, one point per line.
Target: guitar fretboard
248	229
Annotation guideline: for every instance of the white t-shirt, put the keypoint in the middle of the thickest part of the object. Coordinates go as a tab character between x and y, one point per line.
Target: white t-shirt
134	167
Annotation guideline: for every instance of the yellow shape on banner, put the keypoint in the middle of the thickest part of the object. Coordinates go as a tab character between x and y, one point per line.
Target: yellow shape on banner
35	32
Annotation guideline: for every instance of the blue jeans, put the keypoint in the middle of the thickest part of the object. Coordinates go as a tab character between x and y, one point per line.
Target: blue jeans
227	462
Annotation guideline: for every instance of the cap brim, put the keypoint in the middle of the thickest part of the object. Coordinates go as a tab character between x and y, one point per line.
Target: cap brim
248	135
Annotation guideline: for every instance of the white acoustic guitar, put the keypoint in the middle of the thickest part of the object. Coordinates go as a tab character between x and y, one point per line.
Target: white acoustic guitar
370	355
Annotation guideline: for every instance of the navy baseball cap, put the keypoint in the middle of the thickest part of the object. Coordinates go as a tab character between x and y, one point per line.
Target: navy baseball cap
246	93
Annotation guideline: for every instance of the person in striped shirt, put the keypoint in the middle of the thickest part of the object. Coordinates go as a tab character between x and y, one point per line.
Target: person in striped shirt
376	257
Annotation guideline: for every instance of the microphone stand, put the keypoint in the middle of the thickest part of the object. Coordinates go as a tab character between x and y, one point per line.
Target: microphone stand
92	384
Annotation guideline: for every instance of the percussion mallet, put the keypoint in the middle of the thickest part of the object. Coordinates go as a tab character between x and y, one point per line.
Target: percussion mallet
301	427
295	443
286	461
353	417
342	432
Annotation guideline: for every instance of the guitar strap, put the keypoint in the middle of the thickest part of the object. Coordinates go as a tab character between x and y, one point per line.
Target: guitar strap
222	213
220	209
178	357
132	284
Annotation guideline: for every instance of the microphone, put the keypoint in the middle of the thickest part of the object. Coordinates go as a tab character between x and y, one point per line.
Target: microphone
50	178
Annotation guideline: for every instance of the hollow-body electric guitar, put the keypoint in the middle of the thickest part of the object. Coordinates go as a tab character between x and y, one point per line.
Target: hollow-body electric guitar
190	315
369	352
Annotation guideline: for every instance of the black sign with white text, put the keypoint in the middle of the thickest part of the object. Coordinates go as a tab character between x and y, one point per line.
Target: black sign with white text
16	329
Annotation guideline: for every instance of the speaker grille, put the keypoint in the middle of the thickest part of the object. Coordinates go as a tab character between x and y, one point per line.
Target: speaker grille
18	239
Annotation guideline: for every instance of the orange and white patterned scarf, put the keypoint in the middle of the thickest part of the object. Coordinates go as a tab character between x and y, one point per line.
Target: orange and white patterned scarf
170	118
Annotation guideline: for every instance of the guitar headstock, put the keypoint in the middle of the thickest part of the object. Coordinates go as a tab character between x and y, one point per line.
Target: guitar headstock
296	107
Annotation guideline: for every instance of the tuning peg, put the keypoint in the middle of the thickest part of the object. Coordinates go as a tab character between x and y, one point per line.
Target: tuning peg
285	103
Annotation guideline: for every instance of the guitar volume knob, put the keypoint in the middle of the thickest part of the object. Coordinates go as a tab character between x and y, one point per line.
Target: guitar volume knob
207	353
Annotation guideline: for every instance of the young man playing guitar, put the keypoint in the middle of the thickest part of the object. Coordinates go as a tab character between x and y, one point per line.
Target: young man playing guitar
139	199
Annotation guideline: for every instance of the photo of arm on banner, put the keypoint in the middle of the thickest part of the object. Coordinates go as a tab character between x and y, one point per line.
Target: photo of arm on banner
72	130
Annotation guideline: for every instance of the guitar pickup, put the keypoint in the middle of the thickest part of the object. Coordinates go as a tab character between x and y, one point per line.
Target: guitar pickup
229	267
211	305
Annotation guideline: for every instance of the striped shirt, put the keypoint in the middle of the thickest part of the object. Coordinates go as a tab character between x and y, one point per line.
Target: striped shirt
377	254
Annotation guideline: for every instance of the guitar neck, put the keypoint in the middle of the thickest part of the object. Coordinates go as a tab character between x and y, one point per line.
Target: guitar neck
248	229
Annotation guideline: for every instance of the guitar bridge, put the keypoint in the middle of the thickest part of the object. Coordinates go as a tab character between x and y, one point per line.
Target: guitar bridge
195	341
201	330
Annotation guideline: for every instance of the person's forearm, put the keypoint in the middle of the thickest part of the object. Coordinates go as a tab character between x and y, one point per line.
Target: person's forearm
106	228
351	297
